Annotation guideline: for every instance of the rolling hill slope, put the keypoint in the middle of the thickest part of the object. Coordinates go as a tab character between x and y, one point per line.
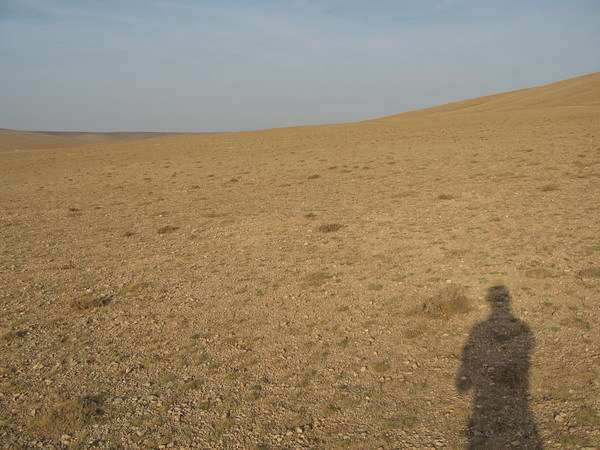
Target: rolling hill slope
380	284
582	91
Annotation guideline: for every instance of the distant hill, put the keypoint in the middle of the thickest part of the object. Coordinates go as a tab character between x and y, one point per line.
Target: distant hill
582	91
11	140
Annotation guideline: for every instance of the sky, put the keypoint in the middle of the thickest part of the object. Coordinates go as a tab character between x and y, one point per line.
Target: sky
227	65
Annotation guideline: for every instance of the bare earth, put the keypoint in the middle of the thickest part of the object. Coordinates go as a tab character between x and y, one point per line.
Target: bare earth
340	286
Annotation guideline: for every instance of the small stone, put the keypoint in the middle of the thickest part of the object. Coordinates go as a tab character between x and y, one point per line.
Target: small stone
560	417
299	430
363	369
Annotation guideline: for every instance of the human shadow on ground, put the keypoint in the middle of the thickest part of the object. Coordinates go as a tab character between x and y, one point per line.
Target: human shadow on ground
495	365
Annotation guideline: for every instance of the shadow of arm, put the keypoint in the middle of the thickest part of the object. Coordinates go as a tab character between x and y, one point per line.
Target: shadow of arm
463	382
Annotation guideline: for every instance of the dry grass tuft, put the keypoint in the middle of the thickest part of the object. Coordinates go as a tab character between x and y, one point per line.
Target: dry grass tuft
382	366
446	197
448	302
576	322
7	335
404	194
588	417
592	272
550	187
401	422
375	287
317	278
539	272
87	301
329	227
572	440
414	332
167	229
68	416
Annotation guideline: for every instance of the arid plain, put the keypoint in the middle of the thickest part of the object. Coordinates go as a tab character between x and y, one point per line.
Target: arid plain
308	287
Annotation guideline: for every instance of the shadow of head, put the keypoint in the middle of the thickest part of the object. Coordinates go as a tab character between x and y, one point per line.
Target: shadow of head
498	296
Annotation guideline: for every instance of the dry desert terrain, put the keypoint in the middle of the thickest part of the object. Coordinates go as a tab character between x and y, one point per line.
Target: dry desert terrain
424	280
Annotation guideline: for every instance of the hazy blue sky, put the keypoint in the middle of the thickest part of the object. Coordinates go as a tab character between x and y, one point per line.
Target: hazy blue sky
214	65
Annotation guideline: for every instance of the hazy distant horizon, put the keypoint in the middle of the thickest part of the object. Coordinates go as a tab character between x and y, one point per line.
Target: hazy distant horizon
183	66
60	132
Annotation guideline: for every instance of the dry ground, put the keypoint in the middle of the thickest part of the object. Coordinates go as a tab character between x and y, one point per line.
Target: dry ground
282	288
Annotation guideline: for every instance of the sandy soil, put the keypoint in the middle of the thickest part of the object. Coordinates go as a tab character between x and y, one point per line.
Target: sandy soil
384	284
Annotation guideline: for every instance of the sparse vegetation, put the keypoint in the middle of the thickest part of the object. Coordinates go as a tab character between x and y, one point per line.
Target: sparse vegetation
344	342
591	272
539	272
375	287
89	301
450	301
382	366
573	440
287	312
331	409
167	229
69	416
404	194
446	197
7	335
401	422
317	279
576	322
550	187
587	416
329	227
414	332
